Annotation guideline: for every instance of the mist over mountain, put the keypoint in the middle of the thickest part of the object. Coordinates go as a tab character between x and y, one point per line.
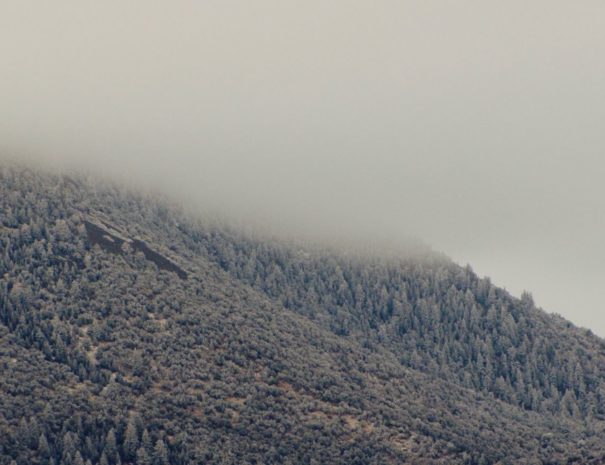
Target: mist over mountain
275	232
132	332
477	127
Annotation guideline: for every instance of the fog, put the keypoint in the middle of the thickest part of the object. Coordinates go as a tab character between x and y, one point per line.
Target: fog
477	126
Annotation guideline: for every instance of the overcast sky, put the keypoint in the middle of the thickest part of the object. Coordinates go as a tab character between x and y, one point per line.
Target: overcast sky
478	126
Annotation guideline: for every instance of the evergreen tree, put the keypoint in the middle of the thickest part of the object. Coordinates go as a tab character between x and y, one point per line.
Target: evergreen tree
131	440
160	453
78	459
43	448
146	442
142	457
110	451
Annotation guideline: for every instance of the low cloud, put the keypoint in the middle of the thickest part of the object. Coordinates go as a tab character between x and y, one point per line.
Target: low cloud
477	127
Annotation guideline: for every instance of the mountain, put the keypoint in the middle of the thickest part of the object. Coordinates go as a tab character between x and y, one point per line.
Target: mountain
131	332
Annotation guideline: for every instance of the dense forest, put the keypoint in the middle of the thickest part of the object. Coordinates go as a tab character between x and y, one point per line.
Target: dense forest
134	333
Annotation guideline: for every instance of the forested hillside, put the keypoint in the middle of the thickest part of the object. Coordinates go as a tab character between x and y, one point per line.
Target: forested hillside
133	333
432	315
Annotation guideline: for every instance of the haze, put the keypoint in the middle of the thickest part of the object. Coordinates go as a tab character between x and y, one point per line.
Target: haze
477	126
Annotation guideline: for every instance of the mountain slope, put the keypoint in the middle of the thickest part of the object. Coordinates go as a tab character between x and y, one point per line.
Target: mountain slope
132	334
433	315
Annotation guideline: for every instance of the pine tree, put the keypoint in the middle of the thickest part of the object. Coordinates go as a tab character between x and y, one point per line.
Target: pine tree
131	440
143	457
78	459
69	447
43	448
111	449
160	453
146	442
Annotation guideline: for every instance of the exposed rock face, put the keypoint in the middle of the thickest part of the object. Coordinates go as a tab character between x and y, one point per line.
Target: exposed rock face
106	236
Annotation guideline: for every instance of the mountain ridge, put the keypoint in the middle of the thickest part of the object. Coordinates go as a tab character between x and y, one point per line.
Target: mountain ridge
286	377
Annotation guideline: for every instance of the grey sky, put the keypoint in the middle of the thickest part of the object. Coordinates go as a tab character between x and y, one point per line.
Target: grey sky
478	126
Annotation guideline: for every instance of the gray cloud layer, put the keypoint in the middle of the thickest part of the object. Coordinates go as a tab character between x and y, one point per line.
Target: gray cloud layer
475	125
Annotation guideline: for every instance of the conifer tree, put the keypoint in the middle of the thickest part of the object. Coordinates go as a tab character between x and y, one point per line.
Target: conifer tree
160	453
131	440
143	457
110	450
146	442
43	448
